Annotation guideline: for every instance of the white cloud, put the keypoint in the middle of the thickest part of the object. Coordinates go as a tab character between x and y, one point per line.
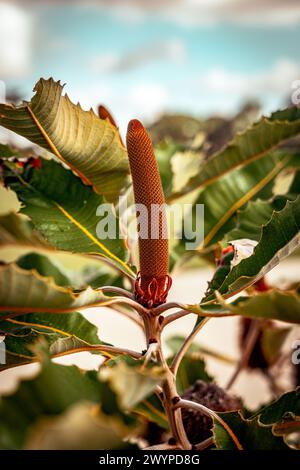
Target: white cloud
171	49
15	41
227	89
208	12
277	79
148	99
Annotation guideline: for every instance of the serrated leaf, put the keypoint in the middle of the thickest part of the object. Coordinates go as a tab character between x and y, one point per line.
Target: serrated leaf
28	291
262	430
89	145
64	211
251	435
224	197
250	220
288	403
279	237
273	305
254	143
16	231
63	334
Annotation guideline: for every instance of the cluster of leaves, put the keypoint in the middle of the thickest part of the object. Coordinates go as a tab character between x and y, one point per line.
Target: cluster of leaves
82	163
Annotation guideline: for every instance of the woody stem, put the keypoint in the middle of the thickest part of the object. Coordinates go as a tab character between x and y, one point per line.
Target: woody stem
169	390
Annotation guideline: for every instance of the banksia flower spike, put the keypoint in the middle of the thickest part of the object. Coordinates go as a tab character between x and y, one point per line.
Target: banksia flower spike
104	114
153	282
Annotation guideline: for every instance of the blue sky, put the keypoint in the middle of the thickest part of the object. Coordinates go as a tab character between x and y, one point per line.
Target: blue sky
142	62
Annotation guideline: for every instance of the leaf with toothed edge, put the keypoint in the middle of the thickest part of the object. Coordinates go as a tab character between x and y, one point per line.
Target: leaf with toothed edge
64	211
267	429
24	291
89	145
279	237
252	144
63	333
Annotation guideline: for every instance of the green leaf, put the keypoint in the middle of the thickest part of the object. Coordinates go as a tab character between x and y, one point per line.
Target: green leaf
28	291
89	145
185	165
63	334
6	151
250	220
152	410
17	231
54	389
275	412
262	430
48	397
163	153
64	211
93	274
192	366
131	382
251	435
81	426
44	267
254	143
279	237
224	197
273	305
17	234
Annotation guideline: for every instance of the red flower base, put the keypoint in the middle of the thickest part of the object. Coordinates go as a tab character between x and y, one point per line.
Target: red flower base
151	291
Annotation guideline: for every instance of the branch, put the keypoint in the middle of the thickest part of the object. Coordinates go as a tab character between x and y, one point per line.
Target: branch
247	350
185	346
169	393
212	414
164	307
164	446
105	349
16	311
174	316
204	444
117	290
115	350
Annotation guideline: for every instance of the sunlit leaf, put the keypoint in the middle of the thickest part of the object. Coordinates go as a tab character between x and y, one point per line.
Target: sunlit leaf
88	144
279	237
28	291
252	144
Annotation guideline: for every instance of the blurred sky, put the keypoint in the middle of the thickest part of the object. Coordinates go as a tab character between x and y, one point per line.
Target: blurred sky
147	56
